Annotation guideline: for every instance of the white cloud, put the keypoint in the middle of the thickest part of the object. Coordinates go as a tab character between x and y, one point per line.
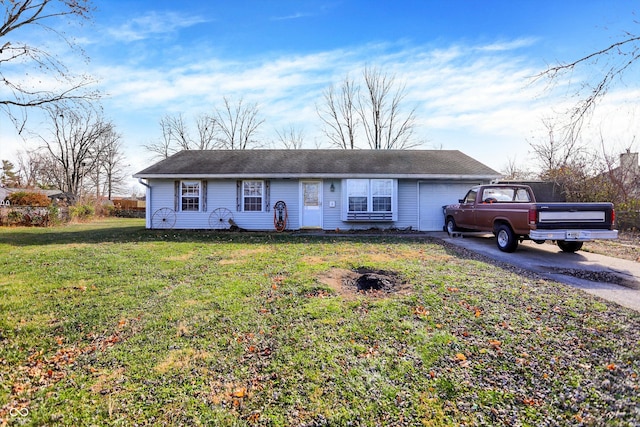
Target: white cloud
475	98
509	45
296	15
153	25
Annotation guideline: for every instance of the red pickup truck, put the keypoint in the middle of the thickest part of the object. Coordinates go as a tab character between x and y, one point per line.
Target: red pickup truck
511	213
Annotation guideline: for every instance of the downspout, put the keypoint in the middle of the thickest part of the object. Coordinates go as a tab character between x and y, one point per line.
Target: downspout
147	213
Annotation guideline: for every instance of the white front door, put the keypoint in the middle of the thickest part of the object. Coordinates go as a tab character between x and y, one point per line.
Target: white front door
311	202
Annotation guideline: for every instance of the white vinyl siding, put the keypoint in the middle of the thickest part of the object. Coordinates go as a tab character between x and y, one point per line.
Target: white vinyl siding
416	204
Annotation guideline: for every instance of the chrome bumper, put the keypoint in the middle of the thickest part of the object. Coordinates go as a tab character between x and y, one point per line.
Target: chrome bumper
573	235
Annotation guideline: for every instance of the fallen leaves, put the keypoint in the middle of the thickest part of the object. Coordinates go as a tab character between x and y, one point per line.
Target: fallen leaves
462	360
41	371
495	344
420	311
531	402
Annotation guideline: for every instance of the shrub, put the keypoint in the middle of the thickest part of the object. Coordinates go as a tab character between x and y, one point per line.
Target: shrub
82	211
15	217
29	198
54	215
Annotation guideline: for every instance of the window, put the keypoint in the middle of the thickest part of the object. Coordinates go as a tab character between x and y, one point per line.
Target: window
381	192
370	199
522	195
470	197
252	192
358	193
505	194
190	195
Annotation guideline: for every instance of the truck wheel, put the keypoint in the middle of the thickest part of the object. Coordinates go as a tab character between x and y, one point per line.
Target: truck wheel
451	226
506	239
569	246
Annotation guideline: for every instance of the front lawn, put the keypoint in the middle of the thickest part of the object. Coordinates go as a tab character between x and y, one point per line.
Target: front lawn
111	324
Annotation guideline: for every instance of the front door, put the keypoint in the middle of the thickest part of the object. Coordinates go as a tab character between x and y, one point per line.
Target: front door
311	195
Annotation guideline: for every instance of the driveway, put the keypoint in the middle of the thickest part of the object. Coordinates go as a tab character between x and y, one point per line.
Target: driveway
609	278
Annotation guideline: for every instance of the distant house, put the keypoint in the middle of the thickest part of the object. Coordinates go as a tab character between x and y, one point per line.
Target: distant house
322	189
627	175
54	195
4	193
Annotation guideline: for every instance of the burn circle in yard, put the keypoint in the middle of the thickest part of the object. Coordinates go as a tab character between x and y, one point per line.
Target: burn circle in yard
374	282
366	280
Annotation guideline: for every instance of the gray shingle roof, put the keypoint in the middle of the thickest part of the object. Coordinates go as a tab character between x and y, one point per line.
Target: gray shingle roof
318	164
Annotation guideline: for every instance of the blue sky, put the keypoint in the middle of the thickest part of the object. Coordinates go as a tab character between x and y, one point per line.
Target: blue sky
466	65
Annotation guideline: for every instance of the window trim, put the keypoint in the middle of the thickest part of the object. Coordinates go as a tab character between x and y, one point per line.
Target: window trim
370	215
244	196
181	196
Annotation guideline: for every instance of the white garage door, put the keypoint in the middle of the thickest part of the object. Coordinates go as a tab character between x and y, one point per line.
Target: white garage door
433	196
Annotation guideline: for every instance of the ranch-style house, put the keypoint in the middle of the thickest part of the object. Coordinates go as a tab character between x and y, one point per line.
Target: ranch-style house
308	189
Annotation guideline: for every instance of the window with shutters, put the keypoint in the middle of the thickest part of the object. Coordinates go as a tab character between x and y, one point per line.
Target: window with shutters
252	196
190	196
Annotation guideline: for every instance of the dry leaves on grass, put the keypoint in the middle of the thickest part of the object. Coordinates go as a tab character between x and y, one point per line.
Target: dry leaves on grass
41	371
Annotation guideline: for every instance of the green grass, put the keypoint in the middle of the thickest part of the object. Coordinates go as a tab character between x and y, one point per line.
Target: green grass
107	323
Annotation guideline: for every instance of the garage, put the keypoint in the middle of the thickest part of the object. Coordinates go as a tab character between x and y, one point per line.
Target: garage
432	196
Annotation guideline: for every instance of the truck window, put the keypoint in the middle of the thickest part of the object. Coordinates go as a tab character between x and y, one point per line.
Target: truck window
470	197
494	194
522	195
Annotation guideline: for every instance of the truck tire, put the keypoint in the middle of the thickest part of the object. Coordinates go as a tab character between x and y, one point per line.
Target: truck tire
506	239
451	226
569	246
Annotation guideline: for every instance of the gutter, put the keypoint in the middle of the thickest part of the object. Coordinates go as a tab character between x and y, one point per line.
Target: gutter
319	176
147	214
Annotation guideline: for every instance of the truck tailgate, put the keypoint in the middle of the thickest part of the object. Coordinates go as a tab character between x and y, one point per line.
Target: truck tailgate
574	215
546	217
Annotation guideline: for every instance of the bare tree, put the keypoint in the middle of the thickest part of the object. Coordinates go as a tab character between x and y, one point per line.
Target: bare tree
609	65
112	162
176	135
338	113
232	127
513	171
291	138
35	169
107	173
619	180
74	145
238	124
32	63
555	152
386	127
207	130
176	129
376	111
162	148
569	164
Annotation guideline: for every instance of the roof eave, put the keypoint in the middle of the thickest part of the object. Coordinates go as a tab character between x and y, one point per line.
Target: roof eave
318	176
